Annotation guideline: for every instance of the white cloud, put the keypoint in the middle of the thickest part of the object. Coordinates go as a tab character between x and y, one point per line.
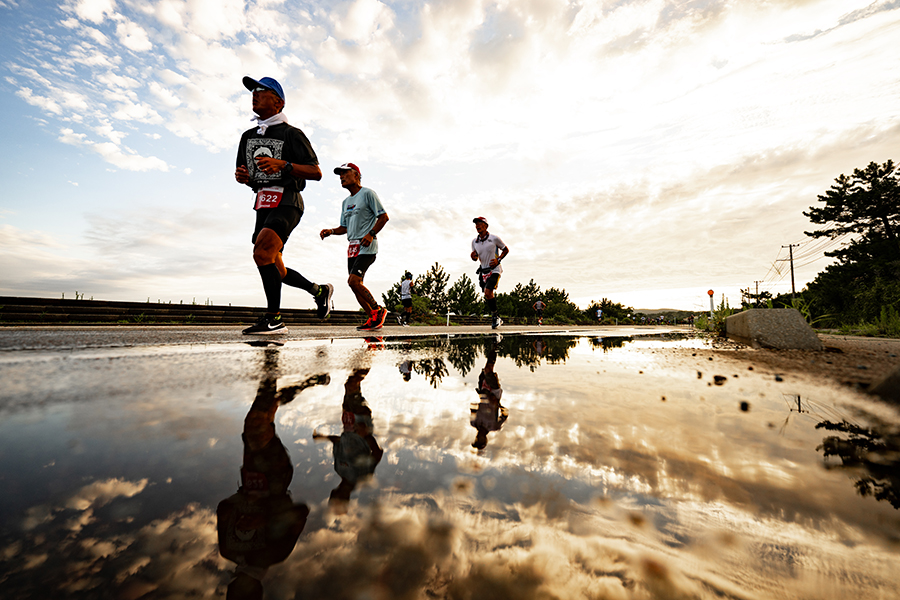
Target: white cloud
165	95
126	159
117	81
74	100
106	130
169	13
359	21
136	111
208	19
42	102
113	152
95	10
133	36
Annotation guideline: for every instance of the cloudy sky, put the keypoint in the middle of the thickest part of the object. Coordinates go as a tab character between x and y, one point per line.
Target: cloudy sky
639	150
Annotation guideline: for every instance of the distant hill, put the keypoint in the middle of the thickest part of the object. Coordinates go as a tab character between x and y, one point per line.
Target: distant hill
659	311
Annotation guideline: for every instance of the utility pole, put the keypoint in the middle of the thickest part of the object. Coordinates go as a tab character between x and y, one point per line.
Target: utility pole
757	294
790	248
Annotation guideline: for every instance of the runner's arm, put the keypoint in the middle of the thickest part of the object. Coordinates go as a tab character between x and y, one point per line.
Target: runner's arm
336	231
378	226
308	172
496	261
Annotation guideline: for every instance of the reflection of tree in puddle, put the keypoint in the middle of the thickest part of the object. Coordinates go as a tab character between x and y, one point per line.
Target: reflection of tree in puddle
875	453
433	369
356	452
524	350
258	526
607	343
462	354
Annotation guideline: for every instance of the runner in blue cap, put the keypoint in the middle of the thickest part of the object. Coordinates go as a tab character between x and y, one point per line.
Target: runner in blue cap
276	160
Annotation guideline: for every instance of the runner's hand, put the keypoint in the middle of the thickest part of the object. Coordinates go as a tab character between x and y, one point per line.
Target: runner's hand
241	175
269	165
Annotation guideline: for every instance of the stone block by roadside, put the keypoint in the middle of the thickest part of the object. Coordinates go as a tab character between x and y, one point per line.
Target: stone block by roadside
888	387
779	328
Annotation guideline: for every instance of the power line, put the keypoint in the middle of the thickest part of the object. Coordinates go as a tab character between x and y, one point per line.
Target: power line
810	251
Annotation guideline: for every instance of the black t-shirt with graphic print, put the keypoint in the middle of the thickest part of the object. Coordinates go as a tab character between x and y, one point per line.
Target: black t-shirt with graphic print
283	142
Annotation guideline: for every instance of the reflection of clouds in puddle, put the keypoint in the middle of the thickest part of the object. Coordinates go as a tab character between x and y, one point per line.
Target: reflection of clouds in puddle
593	488
78	553
451	545
89	498
100	493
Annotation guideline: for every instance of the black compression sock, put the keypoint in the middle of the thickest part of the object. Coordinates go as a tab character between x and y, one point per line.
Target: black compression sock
295	279
492	305
271	280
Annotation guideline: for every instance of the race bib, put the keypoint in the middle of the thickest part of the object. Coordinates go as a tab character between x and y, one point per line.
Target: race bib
253	481
269	197
353	249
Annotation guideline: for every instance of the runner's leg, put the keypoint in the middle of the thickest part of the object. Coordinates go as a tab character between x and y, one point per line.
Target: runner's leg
267	255
363	295
295	279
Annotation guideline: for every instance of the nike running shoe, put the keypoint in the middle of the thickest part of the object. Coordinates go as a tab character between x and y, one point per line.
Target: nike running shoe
368	323
380	316
400	320
267	325
323	300
496	322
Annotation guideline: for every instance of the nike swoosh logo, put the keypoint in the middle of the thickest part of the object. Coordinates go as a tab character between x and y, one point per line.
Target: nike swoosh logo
270	326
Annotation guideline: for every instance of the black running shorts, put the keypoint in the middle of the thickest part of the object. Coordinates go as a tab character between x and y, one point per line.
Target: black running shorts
407	302
491	283
358	265
281	219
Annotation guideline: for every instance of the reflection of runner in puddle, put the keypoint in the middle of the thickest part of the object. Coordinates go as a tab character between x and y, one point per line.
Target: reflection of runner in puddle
406	368
356	452
487	415
259	525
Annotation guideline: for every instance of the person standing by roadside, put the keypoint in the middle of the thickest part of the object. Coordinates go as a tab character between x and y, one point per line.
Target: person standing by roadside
362	217
276	160
490	250
539	307
406	290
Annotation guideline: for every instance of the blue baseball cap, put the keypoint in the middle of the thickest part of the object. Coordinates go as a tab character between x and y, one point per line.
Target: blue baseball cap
266	82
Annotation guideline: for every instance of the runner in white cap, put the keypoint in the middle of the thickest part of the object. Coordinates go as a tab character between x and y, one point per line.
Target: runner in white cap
490	250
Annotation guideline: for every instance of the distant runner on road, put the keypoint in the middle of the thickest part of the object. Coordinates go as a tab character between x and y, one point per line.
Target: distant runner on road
539	307
362	217
276	160
406	290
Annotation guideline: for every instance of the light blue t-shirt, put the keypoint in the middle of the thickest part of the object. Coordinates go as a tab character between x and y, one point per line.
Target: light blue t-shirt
359	214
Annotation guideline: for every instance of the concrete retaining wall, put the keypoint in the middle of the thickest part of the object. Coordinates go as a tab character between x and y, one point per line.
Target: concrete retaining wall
780	328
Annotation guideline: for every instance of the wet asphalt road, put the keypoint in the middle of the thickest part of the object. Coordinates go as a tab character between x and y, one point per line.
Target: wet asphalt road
75	338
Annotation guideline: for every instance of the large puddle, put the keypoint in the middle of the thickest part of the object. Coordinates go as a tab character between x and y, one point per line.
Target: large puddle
463	468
